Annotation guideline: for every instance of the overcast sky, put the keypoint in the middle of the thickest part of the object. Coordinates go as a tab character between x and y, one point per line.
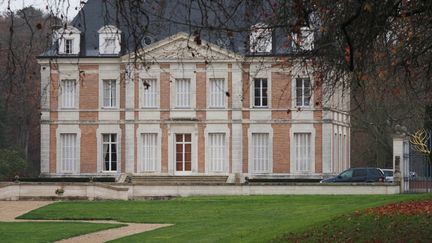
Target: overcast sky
67	8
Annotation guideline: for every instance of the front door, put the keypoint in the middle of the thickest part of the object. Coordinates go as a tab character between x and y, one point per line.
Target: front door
183	153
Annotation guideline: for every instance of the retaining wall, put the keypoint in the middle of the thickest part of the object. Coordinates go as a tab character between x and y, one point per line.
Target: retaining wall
107	191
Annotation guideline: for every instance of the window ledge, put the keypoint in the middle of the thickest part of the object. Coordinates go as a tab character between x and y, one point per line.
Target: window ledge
68	109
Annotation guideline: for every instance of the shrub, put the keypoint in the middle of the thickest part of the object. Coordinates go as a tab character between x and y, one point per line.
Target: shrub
12	163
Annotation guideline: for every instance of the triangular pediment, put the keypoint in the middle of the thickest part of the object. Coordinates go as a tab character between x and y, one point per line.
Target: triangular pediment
183	47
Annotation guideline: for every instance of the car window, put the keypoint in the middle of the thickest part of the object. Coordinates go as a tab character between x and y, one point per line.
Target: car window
359	172
375	173
346	174
388	173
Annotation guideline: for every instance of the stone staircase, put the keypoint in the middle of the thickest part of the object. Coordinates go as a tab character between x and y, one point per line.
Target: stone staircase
178	180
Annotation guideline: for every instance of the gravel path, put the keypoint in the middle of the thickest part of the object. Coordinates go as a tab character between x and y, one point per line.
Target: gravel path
9	210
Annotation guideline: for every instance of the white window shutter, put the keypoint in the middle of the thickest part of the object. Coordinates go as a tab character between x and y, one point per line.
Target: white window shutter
68	93
217	94
217	152
149	152
261	153
150	93
68	145
303	151
183	93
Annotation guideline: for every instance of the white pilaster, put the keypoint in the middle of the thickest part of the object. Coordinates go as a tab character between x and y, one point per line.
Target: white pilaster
45	149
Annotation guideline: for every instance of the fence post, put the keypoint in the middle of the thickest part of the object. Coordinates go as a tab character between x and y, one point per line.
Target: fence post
398	161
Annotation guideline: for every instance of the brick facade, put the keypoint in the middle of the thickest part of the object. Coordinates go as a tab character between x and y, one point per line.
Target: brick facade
282	119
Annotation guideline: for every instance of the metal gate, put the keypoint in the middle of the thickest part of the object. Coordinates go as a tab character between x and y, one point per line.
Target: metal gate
417	170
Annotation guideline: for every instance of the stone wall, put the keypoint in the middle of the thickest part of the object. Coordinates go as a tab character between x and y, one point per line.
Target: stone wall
99	191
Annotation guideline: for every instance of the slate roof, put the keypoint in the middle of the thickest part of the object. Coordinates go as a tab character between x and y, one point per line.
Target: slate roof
158	19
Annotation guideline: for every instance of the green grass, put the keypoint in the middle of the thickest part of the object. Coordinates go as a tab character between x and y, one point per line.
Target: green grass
368	228
219	219
47	231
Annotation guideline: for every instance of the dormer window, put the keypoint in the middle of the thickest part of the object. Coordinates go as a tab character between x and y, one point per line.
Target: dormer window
109	40
68	40
304	40
260	39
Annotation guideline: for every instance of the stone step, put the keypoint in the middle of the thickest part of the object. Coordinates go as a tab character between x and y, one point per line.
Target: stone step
171	180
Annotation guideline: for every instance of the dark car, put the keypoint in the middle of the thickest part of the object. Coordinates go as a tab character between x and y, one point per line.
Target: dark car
358	175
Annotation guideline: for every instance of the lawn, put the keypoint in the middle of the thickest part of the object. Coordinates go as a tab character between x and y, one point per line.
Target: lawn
47	231
404	222
220	219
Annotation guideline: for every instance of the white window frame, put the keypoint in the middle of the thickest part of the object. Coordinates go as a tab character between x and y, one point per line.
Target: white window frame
303	94
68	98
149	152
148	129
260	128
302	128
67	129
217	152
112	99
216	93
303	151
150	94
261	93
70	46
261	152
183	143
109	32
109	143
183	97
182	129
68	151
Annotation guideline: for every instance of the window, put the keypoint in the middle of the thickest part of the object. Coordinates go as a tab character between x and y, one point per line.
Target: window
68	93
304	40
217	94
261	153
260	92
68	46
260	38
183	152
110	45
68	158
183	93
149	152
359	173
303	91
150	94
303	153
109	152
347	173
109	93
216	150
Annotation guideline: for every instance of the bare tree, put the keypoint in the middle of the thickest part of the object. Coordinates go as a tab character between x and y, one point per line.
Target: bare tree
379	50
